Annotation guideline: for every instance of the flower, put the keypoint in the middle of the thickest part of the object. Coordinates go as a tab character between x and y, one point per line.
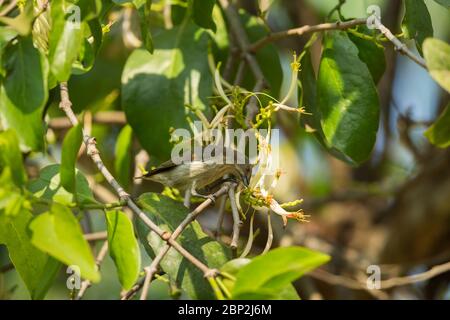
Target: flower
264	181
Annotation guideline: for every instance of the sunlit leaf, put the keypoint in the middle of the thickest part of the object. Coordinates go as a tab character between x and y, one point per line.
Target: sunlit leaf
271	273
437	56
36	268
439	133
66	38
69	153
58	233
122	161
48	187
123	247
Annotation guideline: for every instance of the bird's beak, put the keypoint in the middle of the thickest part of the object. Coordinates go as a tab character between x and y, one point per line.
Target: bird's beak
245	180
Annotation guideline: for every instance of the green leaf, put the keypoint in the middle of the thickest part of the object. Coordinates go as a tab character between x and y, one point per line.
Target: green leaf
168	214
233	267
122	162
202	13
24	93
417	22
85	60
370	53
143	8
90	9
347	99
437	56
48	187
30	125
69	154
439	133
445	3
273	272
10	156
58	233
155	88
66	39
26	83
36	268
124	248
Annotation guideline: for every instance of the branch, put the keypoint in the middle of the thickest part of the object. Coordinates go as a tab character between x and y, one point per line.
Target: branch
151	270
304	30
431	273
399	46
384	284
236	219
244	45
92	151
98	261
8	8
102	117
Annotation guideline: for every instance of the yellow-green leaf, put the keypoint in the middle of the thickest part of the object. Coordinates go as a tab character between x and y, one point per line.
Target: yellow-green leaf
70	147
58	233
437	56
122	161
439	133
269	274
123	247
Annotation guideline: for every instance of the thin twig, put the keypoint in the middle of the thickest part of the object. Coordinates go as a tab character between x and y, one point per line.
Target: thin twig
149	273
98	261
236	219
96	236
431	273
127	295
153	268
304	30
221	216
399	46
90	142
102	117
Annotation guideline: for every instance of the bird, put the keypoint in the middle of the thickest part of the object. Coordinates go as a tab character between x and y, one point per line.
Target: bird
198	174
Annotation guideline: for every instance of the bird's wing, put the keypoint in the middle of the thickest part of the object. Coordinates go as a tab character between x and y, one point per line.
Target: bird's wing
165	166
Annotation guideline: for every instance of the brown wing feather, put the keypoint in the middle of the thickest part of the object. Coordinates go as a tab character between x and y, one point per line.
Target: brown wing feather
165	166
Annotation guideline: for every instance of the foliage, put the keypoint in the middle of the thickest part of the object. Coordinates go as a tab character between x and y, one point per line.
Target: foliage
175	72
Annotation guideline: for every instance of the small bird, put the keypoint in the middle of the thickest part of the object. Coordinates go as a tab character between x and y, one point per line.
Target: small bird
196	175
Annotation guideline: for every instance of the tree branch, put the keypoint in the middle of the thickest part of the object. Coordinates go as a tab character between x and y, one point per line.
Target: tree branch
399	46
236	219
244	44
102	117
98	261
304	30
151	270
